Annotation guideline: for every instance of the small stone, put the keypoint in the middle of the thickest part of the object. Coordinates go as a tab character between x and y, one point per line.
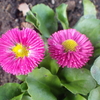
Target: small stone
80	1
78	15
71	5
53	1
16	20
24	8
8	7
27	25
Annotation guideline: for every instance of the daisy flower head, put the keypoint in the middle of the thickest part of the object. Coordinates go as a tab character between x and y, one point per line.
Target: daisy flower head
70	48
21	51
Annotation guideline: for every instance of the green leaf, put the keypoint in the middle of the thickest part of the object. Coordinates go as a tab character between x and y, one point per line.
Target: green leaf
21	77
89	8
75	97
42	85
9	91
27	98
94	94
32	19
95	70
43	18
79	97
96	52
77	80
90	27
24	87
62	16
19	97
50	64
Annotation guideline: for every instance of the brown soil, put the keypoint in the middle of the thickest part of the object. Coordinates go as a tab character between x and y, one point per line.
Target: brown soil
11	17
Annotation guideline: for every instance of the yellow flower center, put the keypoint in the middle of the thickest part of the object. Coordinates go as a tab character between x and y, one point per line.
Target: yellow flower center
69	45
20	50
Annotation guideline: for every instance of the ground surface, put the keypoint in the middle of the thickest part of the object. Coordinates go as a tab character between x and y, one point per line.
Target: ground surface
11	17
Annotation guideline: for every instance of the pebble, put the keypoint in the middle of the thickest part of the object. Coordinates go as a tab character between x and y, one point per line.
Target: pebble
53	2
16	20
71	5
80	1
8	7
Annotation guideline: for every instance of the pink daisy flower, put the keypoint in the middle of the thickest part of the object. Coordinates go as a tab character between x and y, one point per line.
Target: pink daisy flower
70	48
20	51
